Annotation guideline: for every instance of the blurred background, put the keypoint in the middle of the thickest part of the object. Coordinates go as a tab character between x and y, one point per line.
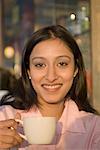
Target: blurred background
20	18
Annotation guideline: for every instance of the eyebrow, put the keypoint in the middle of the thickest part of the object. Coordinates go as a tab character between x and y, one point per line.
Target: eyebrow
63	56
36	58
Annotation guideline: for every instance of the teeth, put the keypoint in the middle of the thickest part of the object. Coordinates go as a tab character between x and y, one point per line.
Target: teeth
52	86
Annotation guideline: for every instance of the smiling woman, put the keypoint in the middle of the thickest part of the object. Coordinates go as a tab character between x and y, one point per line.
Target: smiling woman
51	75
53	84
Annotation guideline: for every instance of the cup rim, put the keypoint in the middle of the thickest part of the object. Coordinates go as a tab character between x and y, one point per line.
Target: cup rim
39	117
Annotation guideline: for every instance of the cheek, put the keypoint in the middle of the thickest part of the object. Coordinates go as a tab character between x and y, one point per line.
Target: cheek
68	75
35	79
68	81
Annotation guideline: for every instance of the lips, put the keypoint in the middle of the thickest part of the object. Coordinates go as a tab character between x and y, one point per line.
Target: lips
52	87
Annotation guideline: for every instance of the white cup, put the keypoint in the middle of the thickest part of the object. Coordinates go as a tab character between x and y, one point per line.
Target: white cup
39	130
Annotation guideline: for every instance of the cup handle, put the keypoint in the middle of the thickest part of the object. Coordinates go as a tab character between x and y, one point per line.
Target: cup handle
21	122
23	136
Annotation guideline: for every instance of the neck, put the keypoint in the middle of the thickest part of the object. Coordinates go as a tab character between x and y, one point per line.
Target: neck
52	110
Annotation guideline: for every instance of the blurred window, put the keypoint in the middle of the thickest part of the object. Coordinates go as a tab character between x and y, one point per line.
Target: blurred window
22	17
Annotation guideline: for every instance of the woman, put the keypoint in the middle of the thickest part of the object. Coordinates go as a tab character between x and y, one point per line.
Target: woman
53	83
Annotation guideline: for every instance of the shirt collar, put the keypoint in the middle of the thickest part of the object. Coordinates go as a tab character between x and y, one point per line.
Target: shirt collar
71	118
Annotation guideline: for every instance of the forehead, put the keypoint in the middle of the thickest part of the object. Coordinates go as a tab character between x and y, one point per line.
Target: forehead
51	47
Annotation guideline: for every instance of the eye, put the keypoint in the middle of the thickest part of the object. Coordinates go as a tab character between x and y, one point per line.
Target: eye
62	64
40	65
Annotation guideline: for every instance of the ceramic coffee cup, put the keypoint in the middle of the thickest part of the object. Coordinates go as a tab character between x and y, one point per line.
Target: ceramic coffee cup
39	130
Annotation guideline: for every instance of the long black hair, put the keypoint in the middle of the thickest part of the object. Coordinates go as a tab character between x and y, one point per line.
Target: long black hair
25	95
7	79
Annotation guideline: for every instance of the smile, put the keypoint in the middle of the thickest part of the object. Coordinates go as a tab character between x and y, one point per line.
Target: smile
51	87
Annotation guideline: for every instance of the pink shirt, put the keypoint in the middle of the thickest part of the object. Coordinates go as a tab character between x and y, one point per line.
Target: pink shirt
76	130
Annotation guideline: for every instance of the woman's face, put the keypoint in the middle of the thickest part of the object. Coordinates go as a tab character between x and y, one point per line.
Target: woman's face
52	70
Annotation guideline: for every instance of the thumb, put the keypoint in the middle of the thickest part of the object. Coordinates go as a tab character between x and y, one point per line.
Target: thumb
18	119
18	116
13	123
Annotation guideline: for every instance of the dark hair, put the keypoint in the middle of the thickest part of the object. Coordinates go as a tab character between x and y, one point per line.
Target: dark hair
25	97
7	79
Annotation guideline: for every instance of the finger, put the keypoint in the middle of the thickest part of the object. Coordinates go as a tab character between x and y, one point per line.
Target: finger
10	142
10	136
16	135
5	146
18	116
8	123
7	132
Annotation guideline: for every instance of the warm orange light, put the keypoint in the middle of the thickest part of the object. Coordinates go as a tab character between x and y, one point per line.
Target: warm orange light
9	52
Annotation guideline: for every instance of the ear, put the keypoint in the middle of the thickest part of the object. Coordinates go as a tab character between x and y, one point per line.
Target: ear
75	72
29	74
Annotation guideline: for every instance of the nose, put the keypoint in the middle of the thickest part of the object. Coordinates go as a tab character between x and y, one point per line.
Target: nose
51	74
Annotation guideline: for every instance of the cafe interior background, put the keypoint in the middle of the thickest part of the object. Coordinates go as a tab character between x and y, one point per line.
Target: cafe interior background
19	18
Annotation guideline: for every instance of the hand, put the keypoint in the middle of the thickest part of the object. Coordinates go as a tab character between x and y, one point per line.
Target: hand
8	134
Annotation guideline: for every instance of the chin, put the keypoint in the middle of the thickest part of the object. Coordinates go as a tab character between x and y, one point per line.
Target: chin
53	101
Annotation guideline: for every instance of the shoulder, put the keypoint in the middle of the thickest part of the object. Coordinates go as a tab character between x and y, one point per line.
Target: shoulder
91	120
97	123
7	112
95	138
